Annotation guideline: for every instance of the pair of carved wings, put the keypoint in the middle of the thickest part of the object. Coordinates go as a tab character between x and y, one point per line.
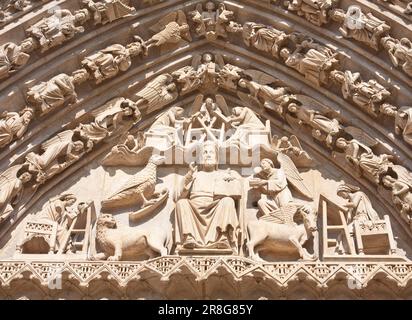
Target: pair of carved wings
220	101
293	176
179	17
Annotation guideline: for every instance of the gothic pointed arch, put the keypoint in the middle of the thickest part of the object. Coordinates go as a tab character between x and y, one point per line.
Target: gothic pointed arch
143	144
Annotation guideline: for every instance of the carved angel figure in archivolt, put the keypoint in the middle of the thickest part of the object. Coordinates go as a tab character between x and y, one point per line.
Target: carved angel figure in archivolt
403	120
359	154
202	74
399	181
323	128
171	31
12	184
213	23
315	11
157	93
59	27
113	118
400	52
278	208
57	154
365	94
265	91
14	56
13	125
311	59
59	90
107	11
264	38
108	62
362	27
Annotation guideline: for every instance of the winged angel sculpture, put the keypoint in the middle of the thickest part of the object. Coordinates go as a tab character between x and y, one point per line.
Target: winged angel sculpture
157	93
113	118
57	154
170	32
260	92
359	154
276	225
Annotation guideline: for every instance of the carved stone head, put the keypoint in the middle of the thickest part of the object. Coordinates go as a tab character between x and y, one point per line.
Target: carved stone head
344	190
338	15
388	181
266	165
28	45
78	146
81	16
25	177
67	199
284	53
210	6
80	76
341	143
209	158
207	57
106	220
27	115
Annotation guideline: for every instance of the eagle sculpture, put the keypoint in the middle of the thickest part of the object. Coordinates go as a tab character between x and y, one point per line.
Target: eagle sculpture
139	188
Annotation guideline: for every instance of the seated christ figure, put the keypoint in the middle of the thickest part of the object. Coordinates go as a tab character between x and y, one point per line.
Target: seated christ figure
206	216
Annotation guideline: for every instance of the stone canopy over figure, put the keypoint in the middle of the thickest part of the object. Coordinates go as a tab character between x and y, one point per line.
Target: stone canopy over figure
206	217
61	26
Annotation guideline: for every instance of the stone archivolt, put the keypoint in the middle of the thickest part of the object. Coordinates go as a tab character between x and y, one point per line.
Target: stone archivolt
206	184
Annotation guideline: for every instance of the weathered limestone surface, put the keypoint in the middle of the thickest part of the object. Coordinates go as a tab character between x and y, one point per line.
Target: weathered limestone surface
151	149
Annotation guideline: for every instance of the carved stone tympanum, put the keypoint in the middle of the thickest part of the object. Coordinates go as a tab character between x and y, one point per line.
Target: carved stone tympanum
205	149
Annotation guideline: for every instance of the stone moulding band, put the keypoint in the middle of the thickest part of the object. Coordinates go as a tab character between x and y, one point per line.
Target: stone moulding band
202	267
